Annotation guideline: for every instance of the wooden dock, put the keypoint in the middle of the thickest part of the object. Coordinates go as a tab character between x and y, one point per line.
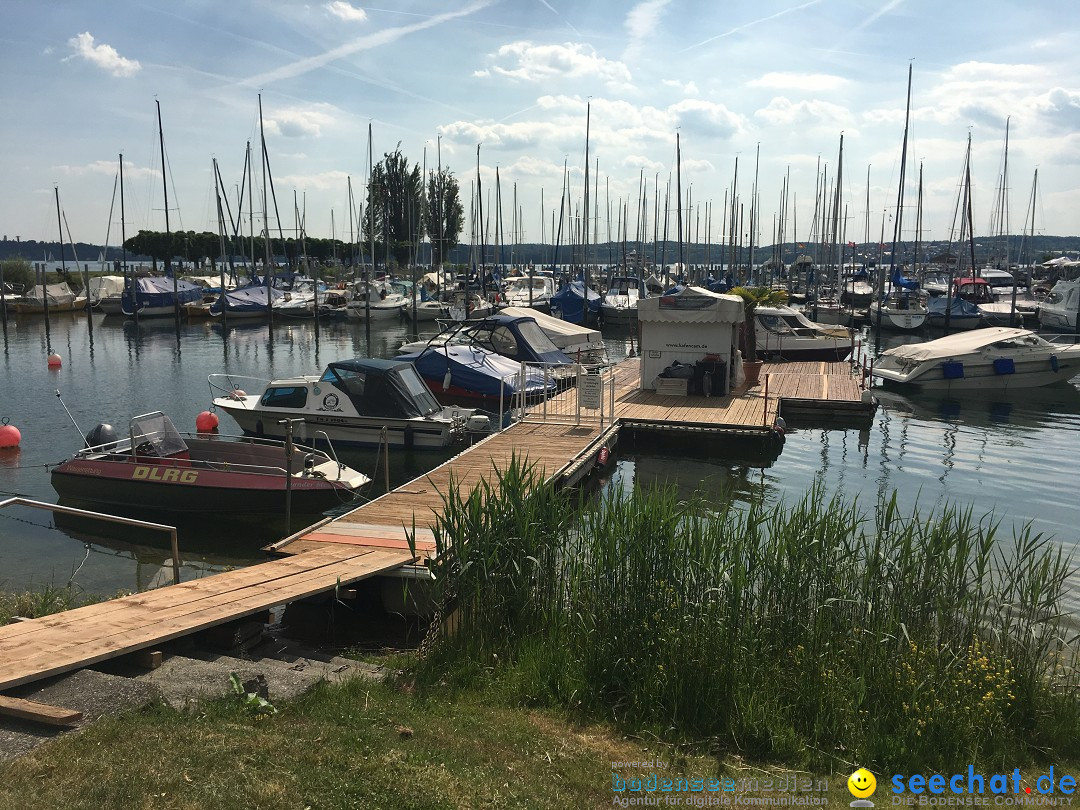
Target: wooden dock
564	442
395	530
77	638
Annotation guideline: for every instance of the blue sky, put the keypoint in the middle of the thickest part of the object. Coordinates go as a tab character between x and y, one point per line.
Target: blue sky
788	76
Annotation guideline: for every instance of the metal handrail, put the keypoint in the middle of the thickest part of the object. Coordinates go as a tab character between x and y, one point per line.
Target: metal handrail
70	510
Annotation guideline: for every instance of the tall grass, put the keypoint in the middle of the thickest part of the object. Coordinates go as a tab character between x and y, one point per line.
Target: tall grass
804	631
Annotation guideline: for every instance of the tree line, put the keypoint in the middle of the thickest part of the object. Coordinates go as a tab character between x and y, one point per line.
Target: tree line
402	208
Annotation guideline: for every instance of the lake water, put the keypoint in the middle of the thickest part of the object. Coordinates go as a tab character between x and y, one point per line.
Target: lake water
1011	457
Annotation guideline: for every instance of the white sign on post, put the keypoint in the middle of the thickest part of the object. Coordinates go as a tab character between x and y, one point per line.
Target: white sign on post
590	391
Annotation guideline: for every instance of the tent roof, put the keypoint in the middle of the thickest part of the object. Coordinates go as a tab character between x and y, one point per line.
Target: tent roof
691	305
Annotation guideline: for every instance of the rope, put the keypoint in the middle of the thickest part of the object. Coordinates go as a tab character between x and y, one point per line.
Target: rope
74	573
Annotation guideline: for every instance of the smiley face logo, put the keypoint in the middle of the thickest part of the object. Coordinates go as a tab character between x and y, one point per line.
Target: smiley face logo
862	784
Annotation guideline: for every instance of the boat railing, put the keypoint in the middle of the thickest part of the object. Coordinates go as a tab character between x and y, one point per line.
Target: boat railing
233	386
1062	339
573	394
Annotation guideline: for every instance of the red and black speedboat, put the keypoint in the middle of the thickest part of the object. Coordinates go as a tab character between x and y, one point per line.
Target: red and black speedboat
157	468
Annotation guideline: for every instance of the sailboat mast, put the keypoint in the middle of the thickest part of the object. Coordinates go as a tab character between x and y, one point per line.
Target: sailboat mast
221	237
900	191
266	223
168	240
585	198
678	197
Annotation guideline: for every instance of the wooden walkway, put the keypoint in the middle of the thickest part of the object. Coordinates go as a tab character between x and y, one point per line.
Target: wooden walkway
78	638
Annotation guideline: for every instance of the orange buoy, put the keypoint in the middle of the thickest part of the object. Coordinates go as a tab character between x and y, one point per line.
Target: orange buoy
206	422
9	435
55	361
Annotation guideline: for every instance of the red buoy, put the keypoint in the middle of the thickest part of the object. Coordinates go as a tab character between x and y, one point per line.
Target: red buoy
206	422
55	360
9	435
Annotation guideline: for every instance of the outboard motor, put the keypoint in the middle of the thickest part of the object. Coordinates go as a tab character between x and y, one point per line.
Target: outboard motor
102	437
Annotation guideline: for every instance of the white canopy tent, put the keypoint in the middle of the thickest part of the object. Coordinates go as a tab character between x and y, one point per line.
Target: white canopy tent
690	326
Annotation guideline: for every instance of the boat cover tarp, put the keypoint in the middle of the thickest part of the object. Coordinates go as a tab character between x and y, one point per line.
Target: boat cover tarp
958	308
519	338
157	291
389	388
901	283
576	303
105	287
471	368
246	299
57	293
562	333
961	343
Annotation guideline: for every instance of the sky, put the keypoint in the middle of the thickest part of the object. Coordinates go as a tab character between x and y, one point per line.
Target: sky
771	85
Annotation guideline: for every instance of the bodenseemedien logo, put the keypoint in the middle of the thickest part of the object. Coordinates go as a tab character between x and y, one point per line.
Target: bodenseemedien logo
862	785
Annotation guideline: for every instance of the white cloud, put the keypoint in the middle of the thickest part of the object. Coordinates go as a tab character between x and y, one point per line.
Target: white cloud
707	118
103	56
783	111
346	11
687	89
1060	107
642	162
300	122
335	181
799	81
531	62
108	168
641	23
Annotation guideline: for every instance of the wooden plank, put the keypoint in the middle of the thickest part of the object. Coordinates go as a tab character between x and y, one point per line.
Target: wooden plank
61	652
38	712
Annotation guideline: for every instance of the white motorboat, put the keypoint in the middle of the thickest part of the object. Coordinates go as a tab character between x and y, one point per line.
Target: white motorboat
375	301
534	291
351	403
620	300
784	333
476	307
106	294
1058	311
993	358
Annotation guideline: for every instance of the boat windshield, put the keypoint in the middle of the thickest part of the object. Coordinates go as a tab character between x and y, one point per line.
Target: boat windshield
154	435
418	390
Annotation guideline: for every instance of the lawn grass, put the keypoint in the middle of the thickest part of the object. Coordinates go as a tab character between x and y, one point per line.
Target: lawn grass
356	745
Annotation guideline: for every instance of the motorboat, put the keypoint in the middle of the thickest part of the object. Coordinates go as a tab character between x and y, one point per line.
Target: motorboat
992	358
374	300
246	302
962	314
106	294
619	304
583	344
534	291
1058	311
784	333
469	372
516	337
158	296
59	297
351	403
467	305
576	303
156	468
422	307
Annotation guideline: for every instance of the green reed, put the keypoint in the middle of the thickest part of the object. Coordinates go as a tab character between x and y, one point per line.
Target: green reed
805	631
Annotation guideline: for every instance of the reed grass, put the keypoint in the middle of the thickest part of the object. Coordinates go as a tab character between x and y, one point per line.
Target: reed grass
807	631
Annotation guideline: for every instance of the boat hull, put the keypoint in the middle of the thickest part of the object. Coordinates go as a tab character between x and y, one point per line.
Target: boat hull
897	320
984	378
414	434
